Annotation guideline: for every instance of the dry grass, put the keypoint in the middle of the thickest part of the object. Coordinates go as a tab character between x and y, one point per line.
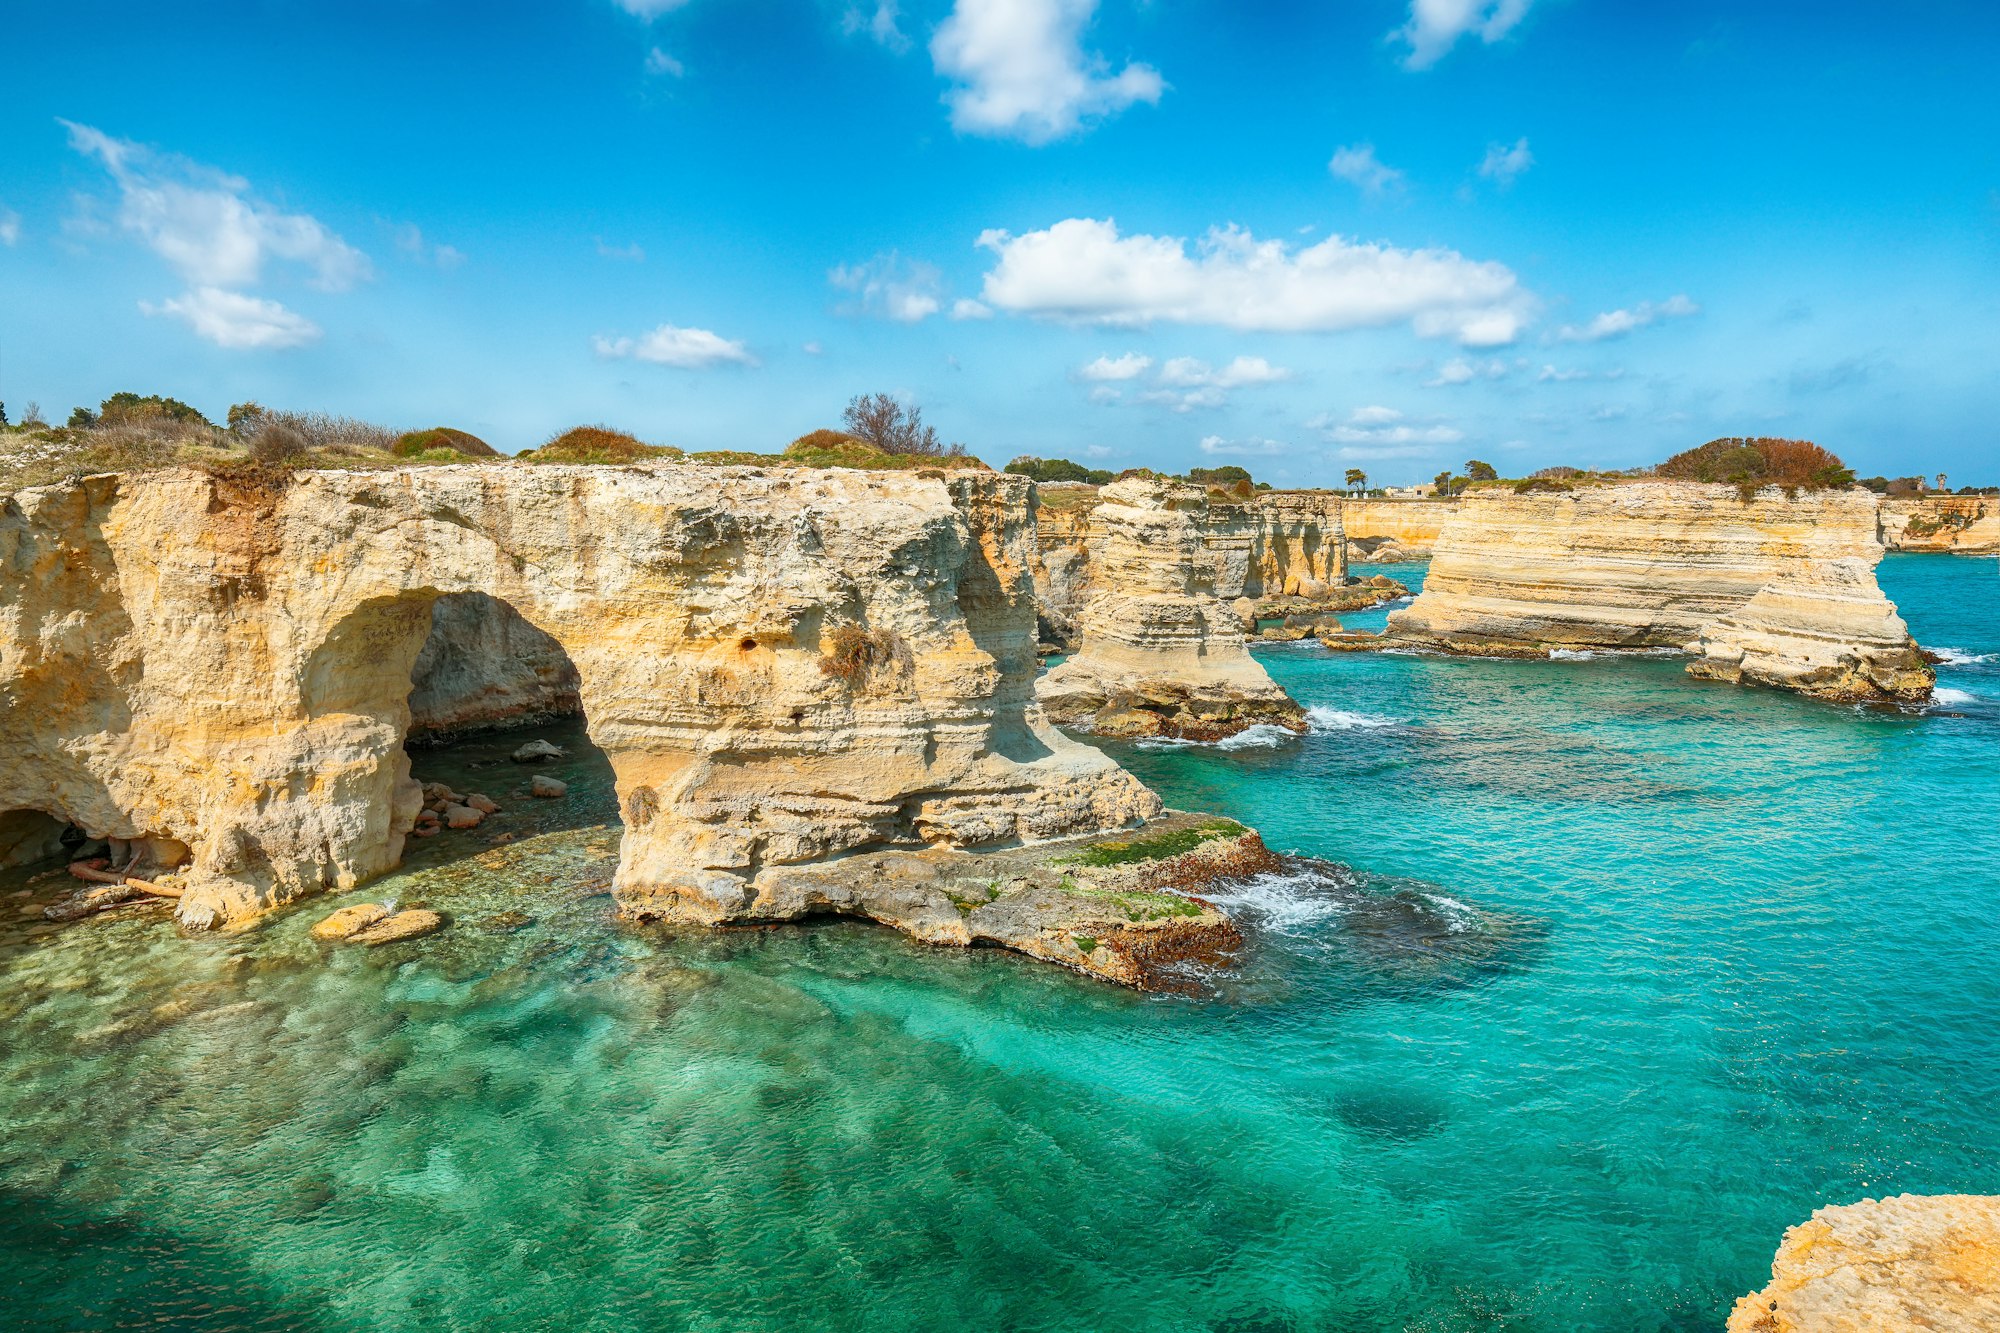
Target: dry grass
853	654
600	445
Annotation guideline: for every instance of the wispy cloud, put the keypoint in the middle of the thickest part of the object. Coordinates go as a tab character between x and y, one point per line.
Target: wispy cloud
1022	73
10	226
648	9
1082	271
1503	164
1216	446
1459	371
1129	366
659	62
671	345
631	254
1358	166
231	319
1435	26
879	23
1618	323
1376	431
410	240
1187	372
892	287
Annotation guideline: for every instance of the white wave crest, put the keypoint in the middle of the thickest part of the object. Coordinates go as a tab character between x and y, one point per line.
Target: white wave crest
1322	718
1958	657
1949	696
1459	917
1571	655
1287	902
1263	736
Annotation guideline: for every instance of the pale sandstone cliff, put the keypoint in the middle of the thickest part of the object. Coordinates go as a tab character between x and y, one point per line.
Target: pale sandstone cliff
1777	591
1962	524
221	671
1162	652
1380	529
1908	1262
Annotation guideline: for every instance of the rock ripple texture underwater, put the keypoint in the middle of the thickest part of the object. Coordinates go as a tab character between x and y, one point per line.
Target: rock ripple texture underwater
1617	975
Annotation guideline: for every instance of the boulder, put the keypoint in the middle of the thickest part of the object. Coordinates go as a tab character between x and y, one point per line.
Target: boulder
436	792
461	816
349	920
405	925
534	752
483	803
546	787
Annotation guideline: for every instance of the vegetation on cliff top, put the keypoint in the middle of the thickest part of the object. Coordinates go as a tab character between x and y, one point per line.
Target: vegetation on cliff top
1750	463
597	444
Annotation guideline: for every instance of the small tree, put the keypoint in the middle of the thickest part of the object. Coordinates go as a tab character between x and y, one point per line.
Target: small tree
1478	471
244	417
895	429
3	414
82	418
1442	482
1357	480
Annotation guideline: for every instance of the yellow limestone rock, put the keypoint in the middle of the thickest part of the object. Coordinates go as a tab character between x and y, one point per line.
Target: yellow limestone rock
228	663
1777	590
348	920
1161	651
1965	524
404	925
1908	1262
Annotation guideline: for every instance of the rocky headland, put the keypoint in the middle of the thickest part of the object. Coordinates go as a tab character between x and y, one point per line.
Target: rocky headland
1959	524
214	676
1907	1262
1162	650
1775	589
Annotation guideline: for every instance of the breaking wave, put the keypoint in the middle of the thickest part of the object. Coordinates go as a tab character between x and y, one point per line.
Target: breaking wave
1263	736
1958	657
1952	697
1321	718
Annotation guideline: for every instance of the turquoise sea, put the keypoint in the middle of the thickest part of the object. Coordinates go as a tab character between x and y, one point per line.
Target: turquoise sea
1616	975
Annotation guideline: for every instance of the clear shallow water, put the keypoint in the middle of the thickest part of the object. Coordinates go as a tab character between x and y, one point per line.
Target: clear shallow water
1631	973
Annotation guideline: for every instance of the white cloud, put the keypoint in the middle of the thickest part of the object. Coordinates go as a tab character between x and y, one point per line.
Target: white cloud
648	9
1502	164
670	345
633	253
1186	371
410	240
1215	445
890	286
1459	370
1556	375
1383	432
10	226
1176	401
881	24
1618	323
1023	73
1435	26
231	319
1358	166
967	308
1130	366
1082	271
207	224
659	62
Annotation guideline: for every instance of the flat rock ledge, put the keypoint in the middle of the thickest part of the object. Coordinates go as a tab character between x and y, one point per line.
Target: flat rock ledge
1123	907
1908	1262
1172	710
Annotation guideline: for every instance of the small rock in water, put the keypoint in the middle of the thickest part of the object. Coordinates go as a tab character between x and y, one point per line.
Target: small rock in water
536	751
547	787
349	921
406	925
483	803
461	816
438	791
506	923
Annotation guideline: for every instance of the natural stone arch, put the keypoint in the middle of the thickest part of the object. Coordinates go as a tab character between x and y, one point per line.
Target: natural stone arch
28	836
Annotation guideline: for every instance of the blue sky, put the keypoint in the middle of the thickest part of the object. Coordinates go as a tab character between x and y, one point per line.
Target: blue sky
1387	234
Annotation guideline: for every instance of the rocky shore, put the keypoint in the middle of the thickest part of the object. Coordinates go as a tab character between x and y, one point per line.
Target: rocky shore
1907	1262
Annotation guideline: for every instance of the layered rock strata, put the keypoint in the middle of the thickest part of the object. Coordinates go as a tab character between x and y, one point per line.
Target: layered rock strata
781	666
1382	530
1779	590
1960	524
1908	1262
1161	652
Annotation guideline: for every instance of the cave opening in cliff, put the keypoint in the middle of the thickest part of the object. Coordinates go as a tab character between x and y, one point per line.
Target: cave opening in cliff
30	837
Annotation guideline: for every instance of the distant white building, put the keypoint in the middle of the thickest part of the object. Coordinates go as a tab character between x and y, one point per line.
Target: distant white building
1421	492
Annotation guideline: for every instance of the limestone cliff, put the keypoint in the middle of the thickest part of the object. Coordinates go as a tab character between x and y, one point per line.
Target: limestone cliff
1383	529
780	665
1963	524
1779	590
1908	1262
1161	651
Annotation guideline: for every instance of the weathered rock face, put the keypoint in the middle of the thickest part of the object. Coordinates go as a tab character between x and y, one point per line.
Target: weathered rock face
1394	529
1908	1262
1161	652
224	673
1776	591
483	666
1965	524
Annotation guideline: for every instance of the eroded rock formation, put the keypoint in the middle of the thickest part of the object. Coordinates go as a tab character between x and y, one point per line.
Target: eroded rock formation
1779	590
781	666
1162	652
1961	524
1393	530
1908	1262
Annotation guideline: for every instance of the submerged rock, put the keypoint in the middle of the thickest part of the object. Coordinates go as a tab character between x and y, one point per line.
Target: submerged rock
547	787
1907	1262
404	925
461	816
349	920
484	804
536	751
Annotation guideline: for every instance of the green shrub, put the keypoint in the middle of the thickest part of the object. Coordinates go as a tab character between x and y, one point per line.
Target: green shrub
597	444
437	439
1157	848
